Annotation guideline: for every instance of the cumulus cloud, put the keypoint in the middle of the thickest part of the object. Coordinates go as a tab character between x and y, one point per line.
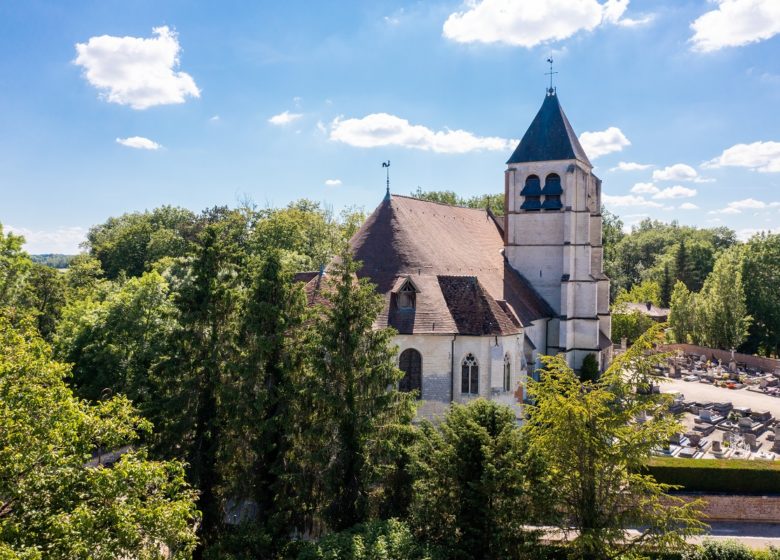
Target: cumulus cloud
136	71
527	23
631	166
644	188
760	156
284	118
679	172
677	191
382	129
734	23
61	240
139	143
737	206
688	206
597	144
629	200
332	182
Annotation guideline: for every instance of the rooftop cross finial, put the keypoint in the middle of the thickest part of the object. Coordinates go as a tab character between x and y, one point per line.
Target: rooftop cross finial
387	165
550	73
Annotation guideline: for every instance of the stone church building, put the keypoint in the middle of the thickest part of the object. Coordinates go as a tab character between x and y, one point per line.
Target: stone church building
477	298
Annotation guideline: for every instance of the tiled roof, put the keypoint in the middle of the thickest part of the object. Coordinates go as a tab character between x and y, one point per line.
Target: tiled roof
550	136
437	245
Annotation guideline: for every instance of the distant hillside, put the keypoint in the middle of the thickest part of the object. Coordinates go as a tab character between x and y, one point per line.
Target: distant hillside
53	260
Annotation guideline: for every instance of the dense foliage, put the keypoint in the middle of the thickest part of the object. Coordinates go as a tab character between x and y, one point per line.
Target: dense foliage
51	504
272	409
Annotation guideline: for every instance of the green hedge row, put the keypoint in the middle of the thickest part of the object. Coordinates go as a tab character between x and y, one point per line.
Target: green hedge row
718	475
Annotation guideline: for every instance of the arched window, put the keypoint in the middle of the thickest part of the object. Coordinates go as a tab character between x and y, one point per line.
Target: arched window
552	192
469	375
532	192
507	373
410	363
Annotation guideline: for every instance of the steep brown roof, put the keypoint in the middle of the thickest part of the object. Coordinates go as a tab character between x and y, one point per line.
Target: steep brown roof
431	242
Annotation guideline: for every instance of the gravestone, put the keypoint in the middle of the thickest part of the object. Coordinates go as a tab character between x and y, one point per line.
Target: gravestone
776	446
750	439
694	438
716	446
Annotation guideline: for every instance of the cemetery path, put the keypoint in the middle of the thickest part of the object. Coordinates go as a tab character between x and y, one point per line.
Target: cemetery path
695	391
754	535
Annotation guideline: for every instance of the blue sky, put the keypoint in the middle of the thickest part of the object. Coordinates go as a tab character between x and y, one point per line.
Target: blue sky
108	107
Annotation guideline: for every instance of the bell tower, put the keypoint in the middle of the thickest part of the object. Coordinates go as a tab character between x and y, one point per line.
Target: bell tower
553	233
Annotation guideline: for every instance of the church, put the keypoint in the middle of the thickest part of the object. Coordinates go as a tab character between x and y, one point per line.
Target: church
477	298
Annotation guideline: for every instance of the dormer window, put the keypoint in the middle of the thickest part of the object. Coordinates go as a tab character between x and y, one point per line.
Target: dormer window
405	294
406	297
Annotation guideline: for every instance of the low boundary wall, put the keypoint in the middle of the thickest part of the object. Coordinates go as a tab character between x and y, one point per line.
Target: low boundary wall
766	364
736	507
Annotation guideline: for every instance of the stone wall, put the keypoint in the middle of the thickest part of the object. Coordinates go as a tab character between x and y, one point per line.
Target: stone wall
766	364
731	507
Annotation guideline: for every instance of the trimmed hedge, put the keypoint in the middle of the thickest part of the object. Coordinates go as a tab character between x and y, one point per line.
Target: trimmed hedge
718	475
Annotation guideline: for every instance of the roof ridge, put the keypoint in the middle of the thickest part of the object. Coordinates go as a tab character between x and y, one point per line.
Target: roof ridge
437	202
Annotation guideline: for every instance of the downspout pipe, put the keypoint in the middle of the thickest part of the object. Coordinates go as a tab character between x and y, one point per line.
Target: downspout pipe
452	368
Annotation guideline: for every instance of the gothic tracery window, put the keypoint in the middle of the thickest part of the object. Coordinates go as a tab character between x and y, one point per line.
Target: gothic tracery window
469	375
410	362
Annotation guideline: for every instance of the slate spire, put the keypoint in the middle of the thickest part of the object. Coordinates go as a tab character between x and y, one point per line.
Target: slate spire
550	136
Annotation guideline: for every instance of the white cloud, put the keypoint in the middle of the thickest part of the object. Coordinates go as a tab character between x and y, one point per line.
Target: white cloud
677	191
629	200
62	240
761	156
644	188
737	206
688	206
734	23
332	182
139	143
597	144
527	23
284	118
136	71
631	22
631	166
679	172
382	129
215	119
321	127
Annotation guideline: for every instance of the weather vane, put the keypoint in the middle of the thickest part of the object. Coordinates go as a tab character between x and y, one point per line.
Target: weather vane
550	73
386	164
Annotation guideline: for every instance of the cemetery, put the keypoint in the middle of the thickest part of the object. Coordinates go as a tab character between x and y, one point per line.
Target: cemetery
721	429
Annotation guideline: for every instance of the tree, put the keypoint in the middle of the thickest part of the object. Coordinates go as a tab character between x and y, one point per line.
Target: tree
132	242
114	338
725	319
44	295
684	315
475	484
666	287
761	279
14	264
209	302
52	505
260	396
589	371
594	437
354	402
